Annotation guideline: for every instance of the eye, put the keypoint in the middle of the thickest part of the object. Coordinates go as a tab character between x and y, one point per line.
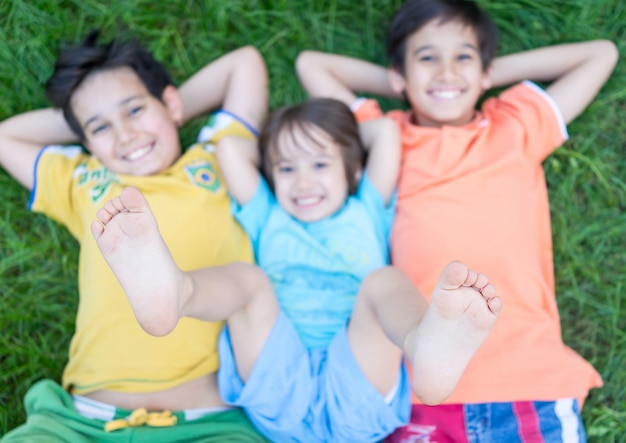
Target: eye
320	165
464	57
284	169
426	58
135	110
99	129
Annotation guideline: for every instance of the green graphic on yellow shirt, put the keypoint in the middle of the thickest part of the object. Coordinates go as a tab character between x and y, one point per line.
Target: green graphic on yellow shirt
204	176
100	190
100	180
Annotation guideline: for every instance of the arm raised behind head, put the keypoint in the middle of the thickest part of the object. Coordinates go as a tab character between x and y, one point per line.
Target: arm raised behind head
236	82
239	161
24	135
381	138
575	71
341	77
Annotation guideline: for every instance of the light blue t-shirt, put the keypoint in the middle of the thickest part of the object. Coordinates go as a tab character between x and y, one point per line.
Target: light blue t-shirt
316	268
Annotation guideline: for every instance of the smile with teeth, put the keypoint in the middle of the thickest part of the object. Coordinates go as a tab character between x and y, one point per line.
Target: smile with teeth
446	94
307	201
138	153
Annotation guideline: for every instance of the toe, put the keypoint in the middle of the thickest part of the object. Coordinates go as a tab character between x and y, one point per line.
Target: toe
97	228
495	305
455	275
133	200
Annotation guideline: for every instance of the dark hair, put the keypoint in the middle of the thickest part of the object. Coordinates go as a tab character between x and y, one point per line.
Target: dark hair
332	116
76	63
414	14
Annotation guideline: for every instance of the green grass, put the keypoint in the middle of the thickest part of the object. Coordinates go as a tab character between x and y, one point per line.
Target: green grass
587	177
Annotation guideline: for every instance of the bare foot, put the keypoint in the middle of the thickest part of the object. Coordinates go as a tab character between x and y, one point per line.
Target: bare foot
462	311
128	237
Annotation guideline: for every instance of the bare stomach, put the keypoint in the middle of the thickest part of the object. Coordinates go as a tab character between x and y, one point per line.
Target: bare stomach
199	393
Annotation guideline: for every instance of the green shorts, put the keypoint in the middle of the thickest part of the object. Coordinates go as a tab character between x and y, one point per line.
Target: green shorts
52	417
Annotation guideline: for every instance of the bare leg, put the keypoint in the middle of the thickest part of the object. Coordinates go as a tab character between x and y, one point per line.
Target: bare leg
387	308
390	314
160	293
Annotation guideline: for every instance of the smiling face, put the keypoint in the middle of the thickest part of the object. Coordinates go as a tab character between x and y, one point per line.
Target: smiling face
126	128
308	173
443	75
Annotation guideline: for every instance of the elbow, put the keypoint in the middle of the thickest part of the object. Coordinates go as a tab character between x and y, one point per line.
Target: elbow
612	52
303	60
253	57
250	51
306	63
606	52
251	62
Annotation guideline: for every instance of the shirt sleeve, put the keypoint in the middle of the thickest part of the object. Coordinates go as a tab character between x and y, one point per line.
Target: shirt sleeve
253	215
366	109
223	123
57	171
544	126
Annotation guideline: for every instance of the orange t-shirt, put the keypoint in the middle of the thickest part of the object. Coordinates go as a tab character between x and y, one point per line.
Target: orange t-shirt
477	193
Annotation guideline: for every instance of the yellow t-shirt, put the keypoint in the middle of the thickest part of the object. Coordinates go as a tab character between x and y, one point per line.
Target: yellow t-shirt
109	350
477	193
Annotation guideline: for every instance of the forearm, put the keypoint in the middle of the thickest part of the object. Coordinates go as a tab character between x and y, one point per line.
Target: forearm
341	77
239	161
381	138
23	136
39	127
575	71
548	63
236	82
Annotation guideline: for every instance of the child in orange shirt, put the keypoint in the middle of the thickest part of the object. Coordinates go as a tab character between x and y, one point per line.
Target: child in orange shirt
475	177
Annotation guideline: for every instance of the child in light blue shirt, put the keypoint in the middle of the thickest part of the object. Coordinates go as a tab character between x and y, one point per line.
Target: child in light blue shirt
315	351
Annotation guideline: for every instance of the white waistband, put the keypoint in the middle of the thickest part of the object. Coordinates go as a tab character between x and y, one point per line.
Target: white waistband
102	411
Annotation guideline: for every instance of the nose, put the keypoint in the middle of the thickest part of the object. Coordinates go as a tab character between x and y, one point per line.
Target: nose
303	180
126	132
447	69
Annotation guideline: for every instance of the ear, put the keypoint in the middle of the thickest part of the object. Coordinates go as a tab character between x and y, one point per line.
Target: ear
173	103
396	81
487	82
358	174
